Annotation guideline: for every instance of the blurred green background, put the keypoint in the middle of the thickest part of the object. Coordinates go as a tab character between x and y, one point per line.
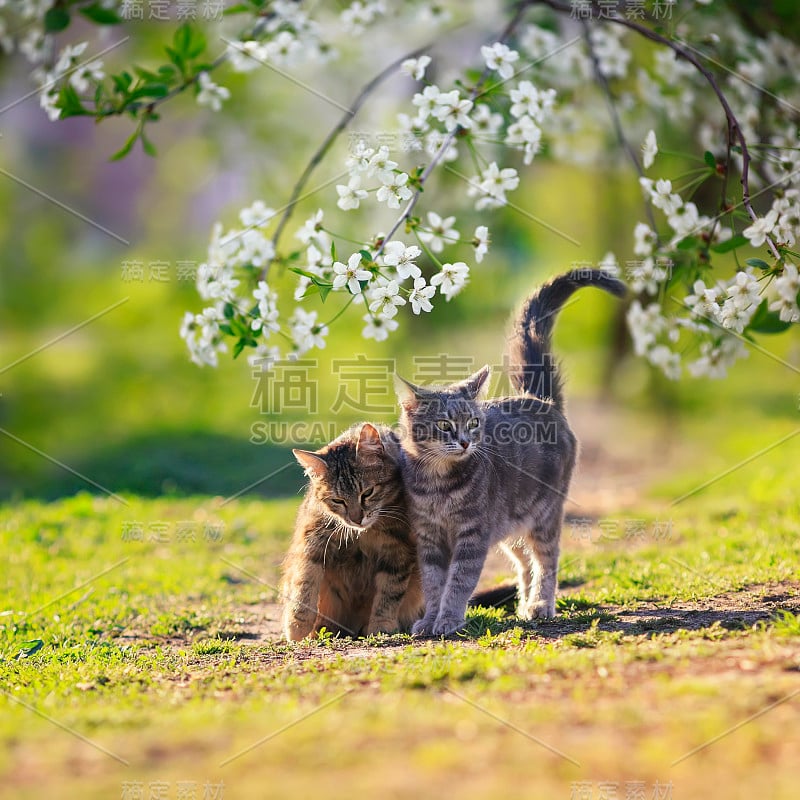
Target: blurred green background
117	399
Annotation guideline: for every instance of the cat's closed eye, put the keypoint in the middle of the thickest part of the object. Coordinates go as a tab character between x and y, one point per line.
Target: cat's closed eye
337	501
367	493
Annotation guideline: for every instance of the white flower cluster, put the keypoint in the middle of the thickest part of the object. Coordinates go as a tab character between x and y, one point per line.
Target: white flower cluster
383	284
781	223
203	336
714	311
211	95
70	68
517	104
440	113
286	37
787	290
358	16
682	216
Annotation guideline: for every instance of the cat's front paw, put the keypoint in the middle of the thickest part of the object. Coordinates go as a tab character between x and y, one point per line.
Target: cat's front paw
447	624
382	626
423	627
295	631
540	609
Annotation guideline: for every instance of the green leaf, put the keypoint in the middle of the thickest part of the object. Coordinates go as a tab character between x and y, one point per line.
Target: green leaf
182	38
309	275
177	59
315	279
709	158
128	146
689	243
758	264
324	290
122	82
56	19
226	329
366	255
729	244
101	15
239	8
228	311
148	146
311	289
28	648
146	74
198	44
766	321
154	90
189	41
245	341
69	103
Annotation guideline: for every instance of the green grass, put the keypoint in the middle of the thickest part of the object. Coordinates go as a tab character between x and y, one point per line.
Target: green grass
155	650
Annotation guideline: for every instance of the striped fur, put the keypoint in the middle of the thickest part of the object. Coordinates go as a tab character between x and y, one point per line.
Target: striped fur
480	472
352	566
532	368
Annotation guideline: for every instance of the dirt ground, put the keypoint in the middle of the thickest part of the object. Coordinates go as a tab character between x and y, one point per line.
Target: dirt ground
618	460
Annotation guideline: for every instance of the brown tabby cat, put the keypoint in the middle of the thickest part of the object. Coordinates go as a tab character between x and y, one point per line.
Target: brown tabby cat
352	564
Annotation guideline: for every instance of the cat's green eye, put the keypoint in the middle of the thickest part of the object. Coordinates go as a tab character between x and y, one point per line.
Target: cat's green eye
473	423
444	425
367	493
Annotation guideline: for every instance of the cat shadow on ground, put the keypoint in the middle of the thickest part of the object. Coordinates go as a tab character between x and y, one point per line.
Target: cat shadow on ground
732	611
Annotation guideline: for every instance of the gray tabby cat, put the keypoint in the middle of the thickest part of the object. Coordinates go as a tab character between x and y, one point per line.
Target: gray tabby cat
480	472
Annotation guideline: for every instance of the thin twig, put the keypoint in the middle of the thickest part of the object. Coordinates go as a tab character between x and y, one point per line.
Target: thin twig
329	140
522	7
734	128
257	28
615	120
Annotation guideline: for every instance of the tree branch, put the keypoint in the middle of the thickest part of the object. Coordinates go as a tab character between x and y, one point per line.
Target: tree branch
734	129
615	120
522	7
329	140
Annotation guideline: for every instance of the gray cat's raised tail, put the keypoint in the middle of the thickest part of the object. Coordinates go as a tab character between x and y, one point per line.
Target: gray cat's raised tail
533	369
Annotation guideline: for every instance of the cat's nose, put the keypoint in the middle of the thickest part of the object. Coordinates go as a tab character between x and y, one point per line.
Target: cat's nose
357	515
464	444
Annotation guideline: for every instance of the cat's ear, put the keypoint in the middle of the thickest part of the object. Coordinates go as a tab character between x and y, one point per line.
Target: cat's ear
477	385
369	447
408	394
313	463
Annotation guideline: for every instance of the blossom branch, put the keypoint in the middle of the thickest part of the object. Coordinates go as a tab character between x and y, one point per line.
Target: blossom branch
512	25
734	128
615	120
328	142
